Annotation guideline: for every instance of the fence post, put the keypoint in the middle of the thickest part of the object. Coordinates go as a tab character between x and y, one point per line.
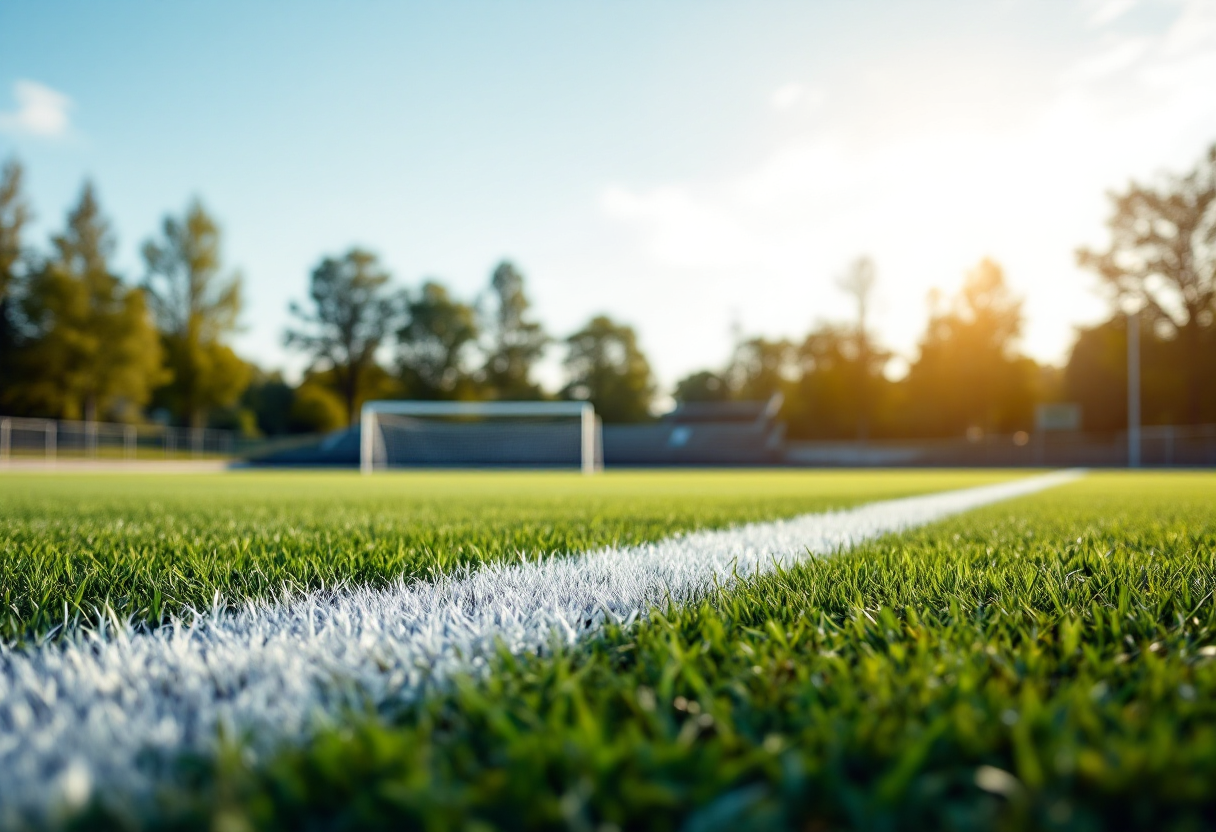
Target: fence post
6	434
129	441
588	439
196	441
52	435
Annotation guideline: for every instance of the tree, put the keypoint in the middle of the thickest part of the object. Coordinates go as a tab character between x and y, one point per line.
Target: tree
607	367
859	282
827	401
760	367
969	374
702	386
353	313
315	408
1096	376
195	304
433	342
92	348
516	343
14	215
1162	256
269	398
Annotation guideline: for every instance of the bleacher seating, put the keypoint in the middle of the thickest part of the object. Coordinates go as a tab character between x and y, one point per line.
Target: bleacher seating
702	433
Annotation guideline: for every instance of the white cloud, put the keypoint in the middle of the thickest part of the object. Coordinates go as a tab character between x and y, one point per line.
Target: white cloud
1121	55
788	96
41	111
1194	29
1108	11
785	96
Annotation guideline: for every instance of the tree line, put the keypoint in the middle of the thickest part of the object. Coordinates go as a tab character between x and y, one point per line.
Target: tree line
970	376
79	341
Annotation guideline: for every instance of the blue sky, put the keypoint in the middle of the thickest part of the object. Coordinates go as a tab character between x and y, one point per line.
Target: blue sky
680	165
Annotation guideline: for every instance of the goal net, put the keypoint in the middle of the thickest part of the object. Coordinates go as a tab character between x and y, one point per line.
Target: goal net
402	434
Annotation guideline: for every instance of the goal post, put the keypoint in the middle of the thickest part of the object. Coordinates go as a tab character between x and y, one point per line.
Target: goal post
478	434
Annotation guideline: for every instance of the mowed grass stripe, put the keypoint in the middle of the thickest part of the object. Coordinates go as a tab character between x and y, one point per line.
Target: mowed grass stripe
111	712
147	547
1047	663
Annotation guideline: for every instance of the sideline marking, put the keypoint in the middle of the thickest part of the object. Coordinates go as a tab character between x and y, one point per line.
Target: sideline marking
77	715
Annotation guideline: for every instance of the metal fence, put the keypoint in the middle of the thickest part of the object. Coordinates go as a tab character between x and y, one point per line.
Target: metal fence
1160	446
48	440
53	439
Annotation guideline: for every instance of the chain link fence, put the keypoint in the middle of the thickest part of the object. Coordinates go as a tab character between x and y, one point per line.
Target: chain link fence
50	440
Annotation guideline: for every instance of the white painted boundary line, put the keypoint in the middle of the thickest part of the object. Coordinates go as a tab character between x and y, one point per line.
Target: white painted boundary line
76	717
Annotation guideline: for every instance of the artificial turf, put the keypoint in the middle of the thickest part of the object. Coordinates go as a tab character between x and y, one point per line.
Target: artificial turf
1046	663
73	546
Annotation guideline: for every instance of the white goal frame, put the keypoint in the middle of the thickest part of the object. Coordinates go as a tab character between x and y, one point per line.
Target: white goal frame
589	461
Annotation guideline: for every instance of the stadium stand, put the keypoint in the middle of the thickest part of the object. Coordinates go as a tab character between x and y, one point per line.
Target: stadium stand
702	433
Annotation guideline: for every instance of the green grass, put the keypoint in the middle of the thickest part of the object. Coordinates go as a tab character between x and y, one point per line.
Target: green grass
1047	663
152	545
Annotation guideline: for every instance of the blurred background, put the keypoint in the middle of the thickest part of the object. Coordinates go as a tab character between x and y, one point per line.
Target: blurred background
764	233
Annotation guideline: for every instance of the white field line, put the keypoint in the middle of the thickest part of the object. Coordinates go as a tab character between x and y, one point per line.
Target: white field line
108	711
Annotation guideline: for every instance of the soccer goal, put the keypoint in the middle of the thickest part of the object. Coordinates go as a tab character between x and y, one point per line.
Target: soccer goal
400	434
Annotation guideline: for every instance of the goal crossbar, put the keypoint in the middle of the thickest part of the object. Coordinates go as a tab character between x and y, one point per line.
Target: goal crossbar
583	411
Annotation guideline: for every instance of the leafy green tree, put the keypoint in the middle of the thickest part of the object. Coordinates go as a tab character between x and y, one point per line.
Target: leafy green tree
433	342
607	367
817	377
516	343
1162	256
969	373
196	304
761	367
702	386
14	215
93	349
269	398
315	408
840	391
353	312
826	400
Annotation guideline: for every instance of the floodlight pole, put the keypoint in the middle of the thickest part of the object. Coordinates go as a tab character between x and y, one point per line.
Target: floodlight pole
1133	389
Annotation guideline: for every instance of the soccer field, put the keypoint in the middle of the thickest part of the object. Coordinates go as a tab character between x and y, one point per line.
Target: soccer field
154	545
1046	660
